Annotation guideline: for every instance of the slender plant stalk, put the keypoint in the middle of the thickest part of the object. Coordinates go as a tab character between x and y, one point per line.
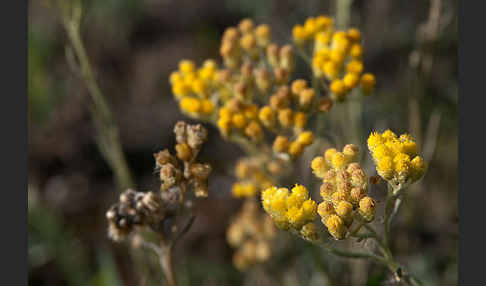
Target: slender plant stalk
165	259
343	13
108	138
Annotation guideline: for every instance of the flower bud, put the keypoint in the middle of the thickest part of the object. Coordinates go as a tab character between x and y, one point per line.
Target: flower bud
281	144
267	116
184	152
309	232
246	25
326	190
272	55
285	117
281	75
306	97
262	80
336	227
351	152
262	33
287	58
367	208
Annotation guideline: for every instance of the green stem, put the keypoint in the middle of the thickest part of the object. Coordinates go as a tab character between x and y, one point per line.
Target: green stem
343	13
108	138
388	210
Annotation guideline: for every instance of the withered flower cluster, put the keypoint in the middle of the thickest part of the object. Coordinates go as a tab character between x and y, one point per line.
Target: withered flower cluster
177	174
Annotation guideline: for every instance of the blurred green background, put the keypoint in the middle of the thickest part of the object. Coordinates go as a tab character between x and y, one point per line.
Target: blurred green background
134	45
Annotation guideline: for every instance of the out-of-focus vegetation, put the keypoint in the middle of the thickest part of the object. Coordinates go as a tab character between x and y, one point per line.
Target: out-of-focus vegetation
133	45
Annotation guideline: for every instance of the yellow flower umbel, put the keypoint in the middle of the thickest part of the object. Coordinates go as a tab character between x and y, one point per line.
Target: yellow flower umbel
289	210
396	157
343	190
336	56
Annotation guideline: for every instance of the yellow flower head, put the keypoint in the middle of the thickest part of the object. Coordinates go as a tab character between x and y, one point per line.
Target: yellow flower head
285	117
385	168
368	83
267	116
254	131
224	124
367	208
267	196
175	77
262	33
298	85
310	26
294	209
392	155
338	88
418	167
354	34
187	66
356	51
246	25
402	163
325	209
251	111
281	144
344	210
190	105
336	227
351	152
331	70
300	120
329	154
350	80
199	87
309	208
306	138
239	120
279	200
225	112
327	189
309	232
298	196
339	160
180	89
306	97
355	66
374	140
207	107
299	34
296	148
319	166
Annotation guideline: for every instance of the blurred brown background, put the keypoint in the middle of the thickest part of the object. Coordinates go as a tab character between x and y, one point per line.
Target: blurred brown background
134	45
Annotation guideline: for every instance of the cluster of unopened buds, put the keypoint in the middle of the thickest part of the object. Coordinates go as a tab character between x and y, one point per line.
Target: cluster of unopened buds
344	190
251	233
396	158
177	173
336	56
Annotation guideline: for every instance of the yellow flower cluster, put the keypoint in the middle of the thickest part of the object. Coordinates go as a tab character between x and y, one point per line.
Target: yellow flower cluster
251	234
192	87
252	92
344	190
396	157
290	210
336	56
